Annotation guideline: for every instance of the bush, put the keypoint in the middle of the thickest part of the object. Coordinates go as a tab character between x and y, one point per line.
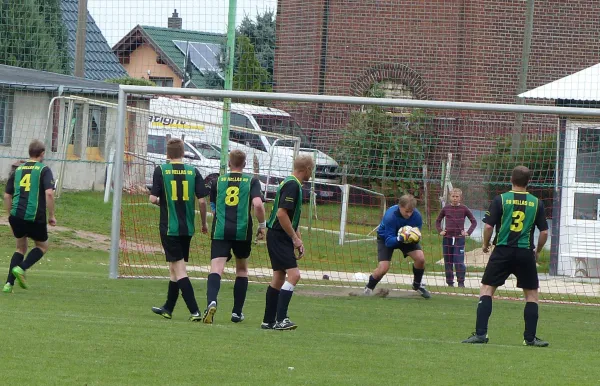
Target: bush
375	147
127	80
538	155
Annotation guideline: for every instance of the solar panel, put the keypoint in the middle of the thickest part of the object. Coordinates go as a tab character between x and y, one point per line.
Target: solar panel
204	56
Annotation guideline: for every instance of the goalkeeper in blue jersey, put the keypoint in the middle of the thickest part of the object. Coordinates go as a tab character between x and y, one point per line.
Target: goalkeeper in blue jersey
388	240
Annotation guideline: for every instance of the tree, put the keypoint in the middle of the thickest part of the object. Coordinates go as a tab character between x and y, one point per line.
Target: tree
52	13
383	153
32	35
262	36
250	75
539	155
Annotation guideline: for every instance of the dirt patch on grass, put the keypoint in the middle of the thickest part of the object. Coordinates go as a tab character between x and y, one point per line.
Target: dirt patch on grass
91	240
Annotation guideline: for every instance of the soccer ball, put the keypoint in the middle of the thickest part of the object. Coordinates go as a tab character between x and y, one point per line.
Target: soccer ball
409	235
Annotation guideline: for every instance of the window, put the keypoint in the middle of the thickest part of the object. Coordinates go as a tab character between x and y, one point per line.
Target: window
247	139
190	153
5	119
96	127
586	206
157	144
74	125
240	120
208	151
162	82
588	156
282	125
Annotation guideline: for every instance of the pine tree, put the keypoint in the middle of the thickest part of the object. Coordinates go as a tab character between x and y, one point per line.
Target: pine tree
32	35
250	75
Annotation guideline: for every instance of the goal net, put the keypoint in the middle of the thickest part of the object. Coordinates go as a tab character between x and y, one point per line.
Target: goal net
369	152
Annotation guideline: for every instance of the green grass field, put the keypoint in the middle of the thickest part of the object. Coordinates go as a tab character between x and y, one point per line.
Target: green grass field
74	326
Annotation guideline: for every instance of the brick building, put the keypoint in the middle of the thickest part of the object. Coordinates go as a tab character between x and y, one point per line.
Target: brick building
458	50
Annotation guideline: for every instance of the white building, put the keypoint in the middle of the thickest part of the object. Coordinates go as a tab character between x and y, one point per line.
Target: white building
576	213
70	115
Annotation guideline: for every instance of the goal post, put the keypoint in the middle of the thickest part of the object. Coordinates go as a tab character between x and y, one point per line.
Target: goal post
382	146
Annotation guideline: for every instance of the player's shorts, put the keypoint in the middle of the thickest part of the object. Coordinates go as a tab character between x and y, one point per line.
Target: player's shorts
37	231
281	250
223	248
176	247
385	253
510	260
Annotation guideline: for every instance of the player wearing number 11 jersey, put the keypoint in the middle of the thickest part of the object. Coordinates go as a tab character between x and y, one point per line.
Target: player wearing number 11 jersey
231	198
175	187
515	215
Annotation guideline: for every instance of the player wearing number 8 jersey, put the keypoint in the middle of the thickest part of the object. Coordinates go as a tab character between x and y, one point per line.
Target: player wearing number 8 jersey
231	198
29	191
175	187
515	215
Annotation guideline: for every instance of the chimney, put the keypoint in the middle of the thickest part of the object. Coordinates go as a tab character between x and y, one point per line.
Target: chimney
175	21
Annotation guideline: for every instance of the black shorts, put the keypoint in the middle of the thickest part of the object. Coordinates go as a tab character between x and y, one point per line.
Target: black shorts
223	248
281	250
37	231
385	253
176	247
509	260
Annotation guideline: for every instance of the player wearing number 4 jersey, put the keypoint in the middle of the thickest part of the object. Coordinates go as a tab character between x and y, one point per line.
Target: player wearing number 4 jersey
231	198
29	191
175	187
515	215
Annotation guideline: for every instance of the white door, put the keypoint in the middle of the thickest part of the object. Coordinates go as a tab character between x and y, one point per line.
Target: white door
579	251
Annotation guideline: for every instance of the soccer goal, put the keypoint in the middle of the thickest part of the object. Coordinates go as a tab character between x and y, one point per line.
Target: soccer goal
368	152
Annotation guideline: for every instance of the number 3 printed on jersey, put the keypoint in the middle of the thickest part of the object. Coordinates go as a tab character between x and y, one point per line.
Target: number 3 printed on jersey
517	224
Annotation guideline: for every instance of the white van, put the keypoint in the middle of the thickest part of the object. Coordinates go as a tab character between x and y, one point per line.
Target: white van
205	157
201	122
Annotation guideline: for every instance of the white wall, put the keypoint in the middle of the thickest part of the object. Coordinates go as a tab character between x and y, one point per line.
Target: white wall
30	121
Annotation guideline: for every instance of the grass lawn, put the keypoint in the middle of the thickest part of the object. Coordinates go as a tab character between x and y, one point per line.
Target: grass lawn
76	327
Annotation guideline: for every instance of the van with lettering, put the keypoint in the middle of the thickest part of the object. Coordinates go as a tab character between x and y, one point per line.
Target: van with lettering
259	131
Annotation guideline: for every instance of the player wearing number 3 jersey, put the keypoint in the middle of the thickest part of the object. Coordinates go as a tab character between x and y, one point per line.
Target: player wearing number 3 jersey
175	187
515	215
231	198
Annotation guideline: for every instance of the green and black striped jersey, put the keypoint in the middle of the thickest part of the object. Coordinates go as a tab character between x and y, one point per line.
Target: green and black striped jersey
231	197
28	185
515	216
177	185
289	196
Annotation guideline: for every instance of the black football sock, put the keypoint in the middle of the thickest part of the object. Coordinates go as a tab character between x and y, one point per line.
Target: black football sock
17	258
172	295
212	287
418	274
484	310
239	294
372	282
187	292
32	257
272	299
285	296
530	314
